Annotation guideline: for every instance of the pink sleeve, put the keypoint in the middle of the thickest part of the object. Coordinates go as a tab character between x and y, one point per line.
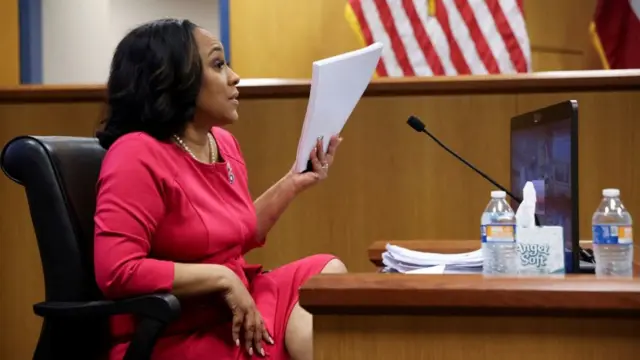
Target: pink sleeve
129	207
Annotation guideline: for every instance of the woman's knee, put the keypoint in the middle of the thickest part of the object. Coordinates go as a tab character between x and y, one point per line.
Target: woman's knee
299	334
334	266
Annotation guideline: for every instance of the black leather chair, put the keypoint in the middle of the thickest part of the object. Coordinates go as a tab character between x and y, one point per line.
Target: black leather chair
59	175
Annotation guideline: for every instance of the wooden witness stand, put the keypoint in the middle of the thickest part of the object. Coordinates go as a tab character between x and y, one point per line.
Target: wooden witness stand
384	316
468	317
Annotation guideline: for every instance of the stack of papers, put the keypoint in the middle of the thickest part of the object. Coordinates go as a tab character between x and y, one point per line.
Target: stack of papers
399	259
337	84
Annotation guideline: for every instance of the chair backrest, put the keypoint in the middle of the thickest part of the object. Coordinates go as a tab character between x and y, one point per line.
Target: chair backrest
59	175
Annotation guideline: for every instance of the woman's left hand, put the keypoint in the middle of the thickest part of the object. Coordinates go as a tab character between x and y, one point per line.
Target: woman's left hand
321	163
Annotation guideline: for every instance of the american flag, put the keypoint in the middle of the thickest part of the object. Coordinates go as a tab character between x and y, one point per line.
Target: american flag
444	37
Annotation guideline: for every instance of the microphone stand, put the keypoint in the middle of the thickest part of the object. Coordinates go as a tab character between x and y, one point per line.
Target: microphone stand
417	125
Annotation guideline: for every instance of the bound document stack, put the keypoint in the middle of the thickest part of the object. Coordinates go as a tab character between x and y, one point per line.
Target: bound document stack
399	259
337	84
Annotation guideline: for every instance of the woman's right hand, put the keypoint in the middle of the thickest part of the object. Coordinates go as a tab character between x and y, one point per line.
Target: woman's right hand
246	317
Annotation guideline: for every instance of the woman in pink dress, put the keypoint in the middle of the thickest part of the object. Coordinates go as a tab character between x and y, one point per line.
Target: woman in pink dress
174	213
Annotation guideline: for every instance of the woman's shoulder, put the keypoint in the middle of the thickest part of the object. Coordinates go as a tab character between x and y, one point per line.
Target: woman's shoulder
225	139
133	150
224	136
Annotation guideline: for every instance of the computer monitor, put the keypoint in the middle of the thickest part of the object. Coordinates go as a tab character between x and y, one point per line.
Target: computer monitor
544	150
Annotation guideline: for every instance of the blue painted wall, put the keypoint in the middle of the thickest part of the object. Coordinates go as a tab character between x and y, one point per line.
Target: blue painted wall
224	27
30	41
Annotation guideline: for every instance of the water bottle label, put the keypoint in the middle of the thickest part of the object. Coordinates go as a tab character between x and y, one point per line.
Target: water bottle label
498	233
612	235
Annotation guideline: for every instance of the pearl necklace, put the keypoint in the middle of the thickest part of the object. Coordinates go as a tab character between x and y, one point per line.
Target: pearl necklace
213	154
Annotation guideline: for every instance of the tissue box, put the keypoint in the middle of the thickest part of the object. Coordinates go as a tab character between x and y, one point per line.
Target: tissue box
540	250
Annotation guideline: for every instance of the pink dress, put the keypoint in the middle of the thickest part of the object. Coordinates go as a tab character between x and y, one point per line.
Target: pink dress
156	205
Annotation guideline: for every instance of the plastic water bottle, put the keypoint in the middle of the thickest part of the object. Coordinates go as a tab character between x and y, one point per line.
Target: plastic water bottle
612	236
498	229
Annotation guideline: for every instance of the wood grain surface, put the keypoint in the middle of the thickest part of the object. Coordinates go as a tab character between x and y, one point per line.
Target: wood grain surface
547	82
387	181
401	294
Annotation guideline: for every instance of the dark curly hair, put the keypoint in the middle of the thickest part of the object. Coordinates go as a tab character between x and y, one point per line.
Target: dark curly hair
154	81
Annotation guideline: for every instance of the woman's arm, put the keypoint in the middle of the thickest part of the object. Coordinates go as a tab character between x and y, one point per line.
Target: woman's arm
198	279
129	206
272	203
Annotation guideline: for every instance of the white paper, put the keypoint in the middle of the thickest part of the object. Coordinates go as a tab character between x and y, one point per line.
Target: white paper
337	84
540	248
525	215
445	269
418	262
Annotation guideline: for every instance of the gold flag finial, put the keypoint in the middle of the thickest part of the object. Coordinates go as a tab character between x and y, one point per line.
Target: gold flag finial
431	5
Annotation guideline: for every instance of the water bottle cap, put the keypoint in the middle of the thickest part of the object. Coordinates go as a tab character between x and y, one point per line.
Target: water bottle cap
497	194
611	192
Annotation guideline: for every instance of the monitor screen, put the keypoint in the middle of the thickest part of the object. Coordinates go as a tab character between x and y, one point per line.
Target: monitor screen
541	153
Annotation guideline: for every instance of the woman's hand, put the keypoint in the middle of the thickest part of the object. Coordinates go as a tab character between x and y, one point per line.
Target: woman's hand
320	162
246	318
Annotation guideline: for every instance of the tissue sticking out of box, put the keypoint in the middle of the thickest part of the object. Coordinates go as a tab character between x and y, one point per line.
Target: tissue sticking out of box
525	215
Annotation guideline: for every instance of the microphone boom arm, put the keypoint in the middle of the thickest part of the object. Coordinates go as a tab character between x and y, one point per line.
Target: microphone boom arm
471	166
417	125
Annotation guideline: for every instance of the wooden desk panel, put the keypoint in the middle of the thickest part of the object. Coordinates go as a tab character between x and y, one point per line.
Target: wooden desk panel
397	337
388	182
391	316
401	294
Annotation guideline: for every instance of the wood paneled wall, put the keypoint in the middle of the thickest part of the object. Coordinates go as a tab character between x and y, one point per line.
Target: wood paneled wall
9	43
387	183
559	34
281	38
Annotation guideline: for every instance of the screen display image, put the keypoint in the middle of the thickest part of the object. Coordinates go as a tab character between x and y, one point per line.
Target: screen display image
541	153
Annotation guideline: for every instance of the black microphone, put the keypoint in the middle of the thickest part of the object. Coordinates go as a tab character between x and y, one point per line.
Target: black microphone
417	125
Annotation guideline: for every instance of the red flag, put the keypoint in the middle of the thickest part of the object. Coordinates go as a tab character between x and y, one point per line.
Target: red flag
616	33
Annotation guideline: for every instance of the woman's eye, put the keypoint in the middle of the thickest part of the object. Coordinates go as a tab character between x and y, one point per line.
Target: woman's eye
219	64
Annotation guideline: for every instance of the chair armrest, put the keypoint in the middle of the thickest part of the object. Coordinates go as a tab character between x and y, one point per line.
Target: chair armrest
162	307
155	312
